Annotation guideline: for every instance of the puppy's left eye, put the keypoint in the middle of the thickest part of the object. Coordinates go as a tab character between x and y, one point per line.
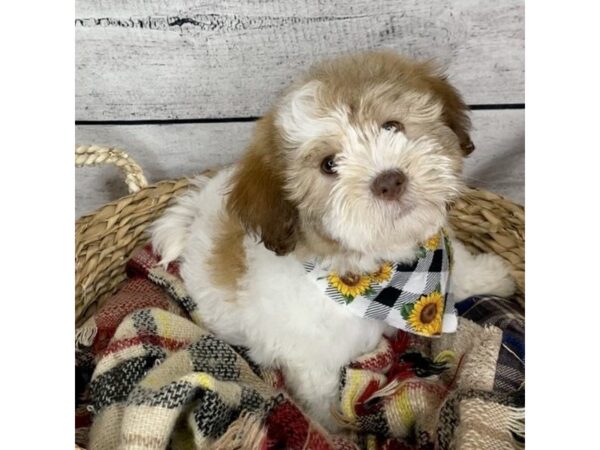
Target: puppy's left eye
393	125
328	165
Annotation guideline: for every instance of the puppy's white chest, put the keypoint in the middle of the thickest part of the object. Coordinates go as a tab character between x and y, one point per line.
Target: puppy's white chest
298	320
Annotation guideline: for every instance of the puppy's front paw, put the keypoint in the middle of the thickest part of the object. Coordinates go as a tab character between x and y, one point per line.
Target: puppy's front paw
485	273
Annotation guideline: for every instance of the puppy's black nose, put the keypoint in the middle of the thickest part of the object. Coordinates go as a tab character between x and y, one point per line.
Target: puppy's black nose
389	185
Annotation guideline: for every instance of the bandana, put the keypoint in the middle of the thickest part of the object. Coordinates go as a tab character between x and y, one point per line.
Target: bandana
412	297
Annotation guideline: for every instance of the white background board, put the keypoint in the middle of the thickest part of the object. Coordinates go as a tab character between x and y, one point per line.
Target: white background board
160	63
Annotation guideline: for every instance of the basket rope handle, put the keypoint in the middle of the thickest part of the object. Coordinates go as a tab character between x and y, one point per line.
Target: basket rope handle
93	155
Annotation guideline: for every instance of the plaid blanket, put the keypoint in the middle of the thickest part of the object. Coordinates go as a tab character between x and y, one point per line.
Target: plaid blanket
150	376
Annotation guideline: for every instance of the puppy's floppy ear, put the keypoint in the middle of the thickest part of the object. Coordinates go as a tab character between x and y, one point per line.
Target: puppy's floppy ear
455	111
257	197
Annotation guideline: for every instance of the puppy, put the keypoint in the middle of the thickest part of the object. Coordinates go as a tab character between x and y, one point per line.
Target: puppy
351	171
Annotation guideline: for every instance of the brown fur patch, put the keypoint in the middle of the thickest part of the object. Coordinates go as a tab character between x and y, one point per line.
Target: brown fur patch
455	111
257	196
228	260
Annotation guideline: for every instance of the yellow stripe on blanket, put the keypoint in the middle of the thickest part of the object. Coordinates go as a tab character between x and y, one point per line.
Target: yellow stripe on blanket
402	402
357	381
351	393
164	323
200	379
205	380
371	442
159	378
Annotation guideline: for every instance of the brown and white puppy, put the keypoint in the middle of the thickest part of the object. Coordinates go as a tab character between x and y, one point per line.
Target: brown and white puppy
354	165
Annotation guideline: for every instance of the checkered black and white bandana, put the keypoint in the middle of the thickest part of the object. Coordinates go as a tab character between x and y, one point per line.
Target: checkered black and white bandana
413	297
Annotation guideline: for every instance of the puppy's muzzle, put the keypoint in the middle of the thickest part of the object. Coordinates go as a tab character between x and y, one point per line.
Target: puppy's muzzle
389	185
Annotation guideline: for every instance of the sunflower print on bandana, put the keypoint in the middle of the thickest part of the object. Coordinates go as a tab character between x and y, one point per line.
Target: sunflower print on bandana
383	274
350	285
433	242
425	315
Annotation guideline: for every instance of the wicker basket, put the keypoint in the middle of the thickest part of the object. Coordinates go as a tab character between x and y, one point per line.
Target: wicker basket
105	238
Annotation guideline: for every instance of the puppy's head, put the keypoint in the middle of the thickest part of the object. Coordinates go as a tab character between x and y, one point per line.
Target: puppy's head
363	153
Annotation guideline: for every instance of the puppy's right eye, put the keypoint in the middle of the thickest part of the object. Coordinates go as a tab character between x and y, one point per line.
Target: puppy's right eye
393	125
328	165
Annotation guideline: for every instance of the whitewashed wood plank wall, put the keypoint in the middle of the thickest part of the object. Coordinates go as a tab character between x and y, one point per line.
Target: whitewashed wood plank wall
152	76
